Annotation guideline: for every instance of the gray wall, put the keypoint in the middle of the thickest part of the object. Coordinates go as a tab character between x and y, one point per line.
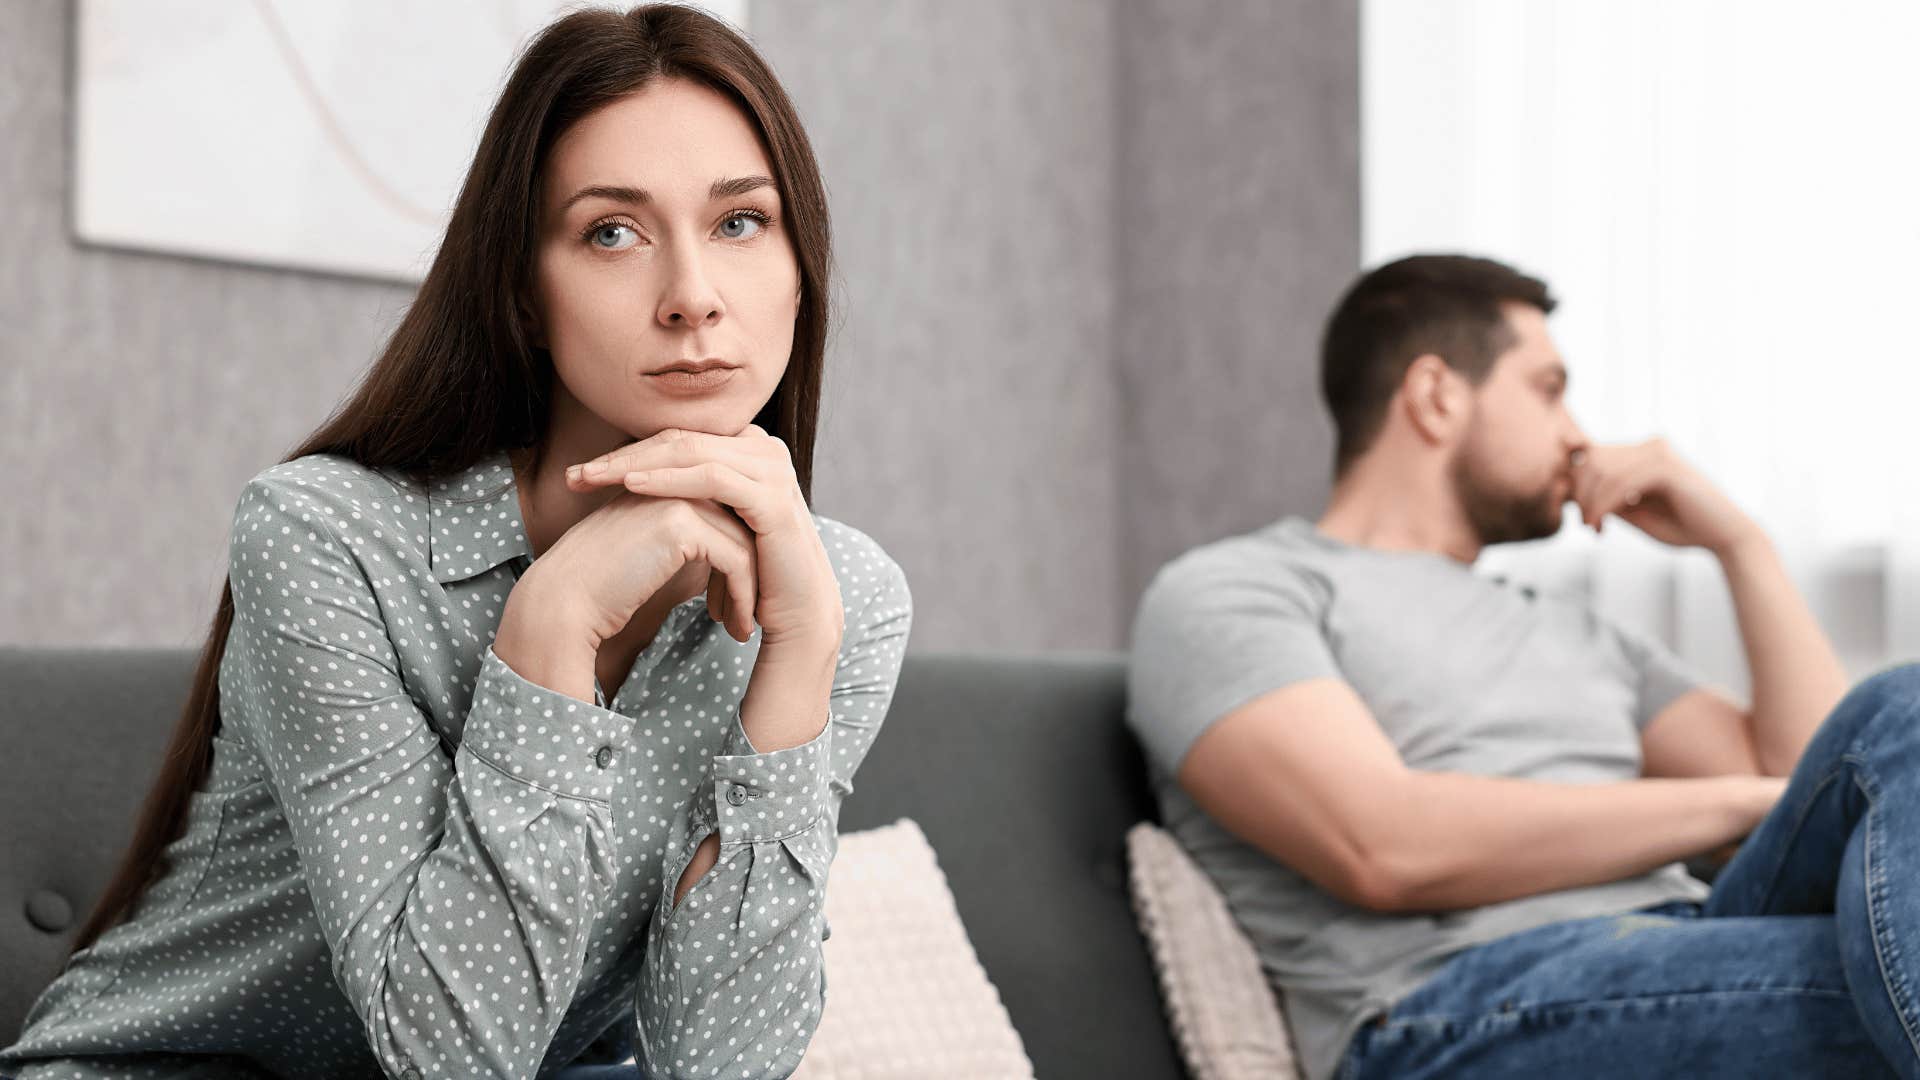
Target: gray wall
140	391
1083	250
972	418
1239	158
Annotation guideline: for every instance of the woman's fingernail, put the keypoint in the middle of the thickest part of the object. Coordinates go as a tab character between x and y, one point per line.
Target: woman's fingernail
636	479
573	472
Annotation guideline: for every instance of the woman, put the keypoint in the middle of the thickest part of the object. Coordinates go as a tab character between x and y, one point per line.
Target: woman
512	765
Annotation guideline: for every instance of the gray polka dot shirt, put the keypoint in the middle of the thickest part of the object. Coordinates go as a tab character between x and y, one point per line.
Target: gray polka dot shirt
409	861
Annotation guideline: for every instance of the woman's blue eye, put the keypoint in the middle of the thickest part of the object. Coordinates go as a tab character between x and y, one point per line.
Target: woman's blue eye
739	227
612	226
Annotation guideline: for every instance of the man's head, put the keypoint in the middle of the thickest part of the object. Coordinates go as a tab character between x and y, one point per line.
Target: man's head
1447	358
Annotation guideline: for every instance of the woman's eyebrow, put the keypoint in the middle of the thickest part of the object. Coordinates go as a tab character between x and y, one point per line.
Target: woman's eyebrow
726	189
633	196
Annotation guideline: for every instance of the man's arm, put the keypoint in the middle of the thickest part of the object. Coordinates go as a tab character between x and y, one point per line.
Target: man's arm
1701	733
1796	677
1305	774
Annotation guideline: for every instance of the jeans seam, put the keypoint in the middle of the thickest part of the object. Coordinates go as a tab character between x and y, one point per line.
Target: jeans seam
1429	1020
1855	759
1765	900
1875	882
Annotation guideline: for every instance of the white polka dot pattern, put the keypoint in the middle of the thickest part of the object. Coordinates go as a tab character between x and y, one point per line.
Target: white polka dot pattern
410	861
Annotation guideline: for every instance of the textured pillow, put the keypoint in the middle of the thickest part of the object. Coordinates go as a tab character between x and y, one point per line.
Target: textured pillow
1222	1011
907	998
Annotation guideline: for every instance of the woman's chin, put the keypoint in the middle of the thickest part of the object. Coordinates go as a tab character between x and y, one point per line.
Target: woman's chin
713	418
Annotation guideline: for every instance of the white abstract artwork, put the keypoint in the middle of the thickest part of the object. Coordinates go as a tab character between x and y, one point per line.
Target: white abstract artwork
329	136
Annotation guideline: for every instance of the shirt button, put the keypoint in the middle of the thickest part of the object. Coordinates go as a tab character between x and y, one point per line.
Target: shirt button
410	1074
736	795
603	757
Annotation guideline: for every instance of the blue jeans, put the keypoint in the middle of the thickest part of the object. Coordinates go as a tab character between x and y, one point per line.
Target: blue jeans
1803	961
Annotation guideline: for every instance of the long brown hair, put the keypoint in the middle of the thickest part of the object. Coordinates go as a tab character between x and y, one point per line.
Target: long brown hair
461	378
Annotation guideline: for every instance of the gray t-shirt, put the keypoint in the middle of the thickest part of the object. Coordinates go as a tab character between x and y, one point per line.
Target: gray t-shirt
1465	673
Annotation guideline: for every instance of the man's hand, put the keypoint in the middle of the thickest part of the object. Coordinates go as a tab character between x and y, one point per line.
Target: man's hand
1797	678
1649	486
1755	797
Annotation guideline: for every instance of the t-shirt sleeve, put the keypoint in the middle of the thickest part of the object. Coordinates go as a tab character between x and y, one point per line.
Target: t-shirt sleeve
1660	676
1212	635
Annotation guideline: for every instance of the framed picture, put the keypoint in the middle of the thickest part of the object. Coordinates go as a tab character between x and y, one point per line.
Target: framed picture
324	136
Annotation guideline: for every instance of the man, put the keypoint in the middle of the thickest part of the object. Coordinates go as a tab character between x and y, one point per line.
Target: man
1451	812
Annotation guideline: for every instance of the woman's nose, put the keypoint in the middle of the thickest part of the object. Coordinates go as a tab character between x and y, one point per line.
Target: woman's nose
690	298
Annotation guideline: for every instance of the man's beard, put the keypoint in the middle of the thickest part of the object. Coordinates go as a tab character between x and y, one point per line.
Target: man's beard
1499	517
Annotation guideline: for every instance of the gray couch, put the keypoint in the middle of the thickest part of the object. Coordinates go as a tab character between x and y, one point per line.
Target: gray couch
1018	769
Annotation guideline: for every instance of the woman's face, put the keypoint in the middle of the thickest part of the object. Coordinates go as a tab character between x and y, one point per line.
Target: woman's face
665	284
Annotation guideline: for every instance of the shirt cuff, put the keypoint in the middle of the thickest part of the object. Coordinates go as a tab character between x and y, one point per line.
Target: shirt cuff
767	796
543	737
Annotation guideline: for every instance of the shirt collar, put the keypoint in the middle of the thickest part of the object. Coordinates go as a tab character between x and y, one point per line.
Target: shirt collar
473	520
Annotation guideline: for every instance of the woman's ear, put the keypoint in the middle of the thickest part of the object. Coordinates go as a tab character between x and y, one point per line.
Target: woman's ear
530	324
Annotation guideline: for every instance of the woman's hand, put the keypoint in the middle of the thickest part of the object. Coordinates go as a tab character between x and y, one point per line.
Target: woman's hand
619	556
794	595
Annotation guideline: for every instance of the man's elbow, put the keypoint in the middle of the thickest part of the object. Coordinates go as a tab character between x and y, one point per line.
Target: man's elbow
1366	890
1394	877
1374	882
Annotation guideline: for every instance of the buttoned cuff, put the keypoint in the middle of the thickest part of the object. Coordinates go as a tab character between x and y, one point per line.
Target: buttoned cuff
767	796
543	737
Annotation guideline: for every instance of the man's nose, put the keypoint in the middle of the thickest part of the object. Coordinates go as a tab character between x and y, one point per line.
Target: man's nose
1576	442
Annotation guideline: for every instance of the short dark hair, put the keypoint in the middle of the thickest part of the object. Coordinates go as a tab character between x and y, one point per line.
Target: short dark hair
1448	305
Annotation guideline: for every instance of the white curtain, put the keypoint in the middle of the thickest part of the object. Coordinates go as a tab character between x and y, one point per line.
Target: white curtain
1726	198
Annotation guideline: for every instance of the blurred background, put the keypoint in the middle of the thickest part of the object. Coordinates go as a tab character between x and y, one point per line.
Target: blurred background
1085	248
1083	251
1720	198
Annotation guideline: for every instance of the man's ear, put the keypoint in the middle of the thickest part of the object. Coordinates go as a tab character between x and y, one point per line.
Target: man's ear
1435	398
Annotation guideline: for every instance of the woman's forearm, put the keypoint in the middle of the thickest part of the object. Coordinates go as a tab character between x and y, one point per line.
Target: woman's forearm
543	644
785	703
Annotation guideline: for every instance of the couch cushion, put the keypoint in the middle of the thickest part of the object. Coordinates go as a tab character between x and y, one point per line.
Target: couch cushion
87	728
1219	1004
1024	778
1019	770
906	995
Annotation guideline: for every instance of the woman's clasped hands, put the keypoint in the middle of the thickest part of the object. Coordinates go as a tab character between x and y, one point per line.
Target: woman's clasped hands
732	502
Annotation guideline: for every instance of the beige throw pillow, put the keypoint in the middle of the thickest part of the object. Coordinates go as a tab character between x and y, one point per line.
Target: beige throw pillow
1222	1010
907	998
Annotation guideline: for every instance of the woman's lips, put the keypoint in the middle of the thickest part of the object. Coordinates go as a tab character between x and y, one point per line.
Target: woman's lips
692	383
